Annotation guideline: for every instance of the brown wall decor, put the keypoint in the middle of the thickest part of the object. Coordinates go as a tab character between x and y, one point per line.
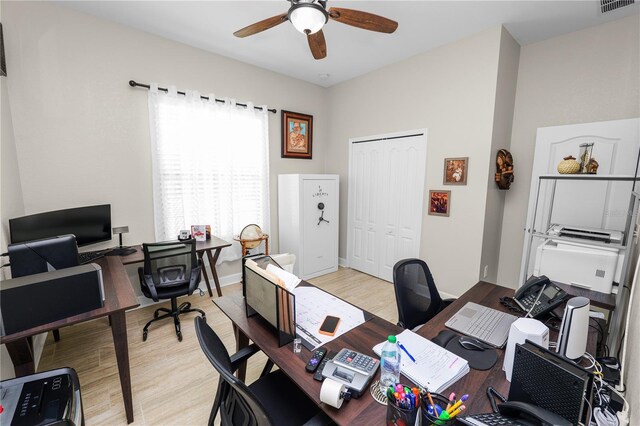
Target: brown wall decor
439	203
455	171
297	135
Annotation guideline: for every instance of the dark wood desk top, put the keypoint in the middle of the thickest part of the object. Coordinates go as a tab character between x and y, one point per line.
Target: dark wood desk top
211	244
601	300
118	295
366	410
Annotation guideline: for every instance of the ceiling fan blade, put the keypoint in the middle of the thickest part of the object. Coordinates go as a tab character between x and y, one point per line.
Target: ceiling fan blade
261	26
364	20
317	45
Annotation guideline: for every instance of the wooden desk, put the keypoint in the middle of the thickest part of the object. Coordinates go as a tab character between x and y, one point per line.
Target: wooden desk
366	410
119	297
211	247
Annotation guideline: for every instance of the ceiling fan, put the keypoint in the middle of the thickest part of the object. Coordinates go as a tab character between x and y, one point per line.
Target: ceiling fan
309	16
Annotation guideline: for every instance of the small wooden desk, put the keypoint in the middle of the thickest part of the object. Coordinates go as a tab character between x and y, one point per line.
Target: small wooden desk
119	297
211	247
365	410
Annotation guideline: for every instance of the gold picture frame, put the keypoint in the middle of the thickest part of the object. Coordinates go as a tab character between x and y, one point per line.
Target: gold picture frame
439	203
455	171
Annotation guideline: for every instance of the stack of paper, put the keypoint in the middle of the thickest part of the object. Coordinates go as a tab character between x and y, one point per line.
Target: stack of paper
289	280
435	367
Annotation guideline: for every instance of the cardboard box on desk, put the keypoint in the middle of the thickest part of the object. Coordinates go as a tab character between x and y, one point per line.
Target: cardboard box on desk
39	299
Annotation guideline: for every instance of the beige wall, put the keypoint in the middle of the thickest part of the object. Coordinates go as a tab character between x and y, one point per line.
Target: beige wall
501	138
589	75
11	203
84	133
451	92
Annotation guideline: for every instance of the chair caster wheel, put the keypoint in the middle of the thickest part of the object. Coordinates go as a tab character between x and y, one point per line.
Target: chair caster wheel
144	335
179	336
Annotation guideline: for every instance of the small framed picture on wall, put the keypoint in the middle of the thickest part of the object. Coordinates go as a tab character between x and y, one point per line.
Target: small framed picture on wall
455	171
297	135
439	203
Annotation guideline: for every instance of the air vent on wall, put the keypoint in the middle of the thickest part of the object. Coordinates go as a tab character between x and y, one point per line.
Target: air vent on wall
609	5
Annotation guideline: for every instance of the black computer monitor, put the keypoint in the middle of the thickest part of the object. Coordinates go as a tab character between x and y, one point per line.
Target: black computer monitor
91	224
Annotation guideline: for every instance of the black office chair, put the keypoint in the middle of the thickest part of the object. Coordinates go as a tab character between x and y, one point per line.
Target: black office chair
273	399
417	297
171	269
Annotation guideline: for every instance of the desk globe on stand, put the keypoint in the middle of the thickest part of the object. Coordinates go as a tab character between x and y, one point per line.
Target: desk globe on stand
251	237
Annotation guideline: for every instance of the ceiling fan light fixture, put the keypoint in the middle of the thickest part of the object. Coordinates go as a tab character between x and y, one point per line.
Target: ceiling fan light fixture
308	18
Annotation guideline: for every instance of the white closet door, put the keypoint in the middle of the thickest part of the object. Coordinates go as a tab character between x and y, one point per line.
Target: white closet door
364	188
386	190
401	210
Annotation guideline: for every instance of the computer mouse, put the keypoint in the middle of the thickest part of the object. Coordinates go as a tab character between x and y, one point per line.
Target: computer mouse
472	344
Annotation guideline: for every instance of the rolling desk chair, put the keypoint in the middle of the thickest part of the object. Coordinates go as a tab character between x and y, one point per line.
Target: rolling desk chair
417	297
273	399
171	269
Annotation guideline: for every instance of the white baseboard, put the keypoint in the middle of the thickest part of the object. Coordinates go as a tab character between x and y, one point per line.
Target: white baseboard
343	262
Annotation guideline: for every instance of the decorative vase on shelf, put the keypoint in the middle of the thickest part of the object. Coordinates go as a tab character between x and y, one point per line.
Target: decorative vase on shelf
568	165
586	151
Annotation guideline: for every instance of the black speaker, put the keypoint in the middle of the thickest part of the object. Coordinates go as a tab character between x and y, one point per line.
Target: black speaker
545	379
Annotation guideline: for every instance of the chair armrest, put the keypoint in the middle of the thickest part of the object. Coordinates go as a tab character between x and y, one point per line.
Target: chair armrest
147	281
243	355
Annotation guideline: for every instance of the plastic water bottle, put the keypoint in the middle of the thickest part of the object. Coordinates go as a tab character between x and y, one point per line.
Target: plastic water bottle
389	364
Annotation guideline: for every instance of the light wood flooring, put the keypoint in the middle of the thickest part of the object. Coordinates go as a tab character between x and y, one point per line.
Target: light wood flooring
173	383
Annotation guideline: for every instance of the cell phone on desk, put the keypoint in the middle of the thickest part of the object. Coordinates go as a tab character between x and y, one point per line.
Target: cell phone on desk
539	296
329	325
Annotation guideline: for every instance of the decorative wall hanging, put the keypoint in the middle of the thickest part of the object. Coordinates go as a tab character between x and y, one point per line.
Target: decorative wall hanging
439	203
455	171
297	133
504	169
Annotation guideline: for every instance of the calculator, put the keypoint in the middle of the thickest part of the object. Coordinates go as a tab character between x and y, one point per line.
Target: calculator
356	361
352	369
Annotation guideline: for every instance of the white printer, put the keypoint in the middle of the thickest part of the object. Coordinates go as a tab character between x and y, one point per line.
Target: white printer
579	263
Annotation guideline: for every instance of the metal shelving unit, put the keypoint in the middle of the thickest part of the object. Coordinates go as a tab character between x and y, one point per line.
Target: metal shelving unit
537	229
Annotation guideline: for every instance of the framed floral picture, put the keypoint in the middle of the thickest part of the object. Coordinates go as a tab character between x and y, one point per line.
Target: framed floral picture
455	171
439	203
297	135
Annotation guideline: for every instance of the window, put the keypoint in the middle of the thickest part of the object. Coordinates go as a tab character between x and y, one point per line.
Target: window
210	166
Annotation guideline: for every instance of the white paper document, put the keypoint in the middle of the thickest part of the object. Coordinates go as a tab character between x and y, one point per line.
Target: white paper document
290	281
313	305
435	368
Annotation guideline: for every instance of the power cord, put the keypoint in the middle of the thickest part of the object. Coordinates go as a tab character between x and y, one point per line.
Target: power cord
605	417
602	414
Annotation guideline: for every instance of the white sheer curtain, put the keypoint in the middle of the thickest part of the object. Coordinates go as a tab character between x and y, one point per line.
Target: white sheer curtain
210	165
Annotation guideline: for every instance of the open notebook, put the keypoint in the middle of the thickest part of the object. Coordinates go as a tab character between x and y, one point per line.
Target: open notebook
435	368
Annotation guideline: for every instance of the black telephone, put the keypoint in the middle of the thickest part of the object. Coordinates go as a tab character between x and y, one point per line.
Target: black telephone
518	413
542	293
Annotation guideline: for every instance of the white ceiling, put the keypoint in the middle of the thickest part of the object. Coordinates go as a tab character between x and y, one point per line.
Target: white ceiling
423	25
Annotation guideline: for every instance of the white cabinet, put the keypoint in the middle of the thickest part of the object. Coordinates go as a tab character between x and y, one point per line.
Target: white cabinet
308	222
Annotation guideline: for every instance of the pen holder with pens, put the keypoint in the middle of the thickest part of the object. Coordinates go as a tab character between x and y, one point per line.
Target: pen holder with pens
429	417
402	413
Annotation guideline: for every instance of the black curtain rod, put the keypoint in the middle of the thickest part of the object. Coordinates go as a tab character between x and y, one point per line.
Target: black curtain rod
206	98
